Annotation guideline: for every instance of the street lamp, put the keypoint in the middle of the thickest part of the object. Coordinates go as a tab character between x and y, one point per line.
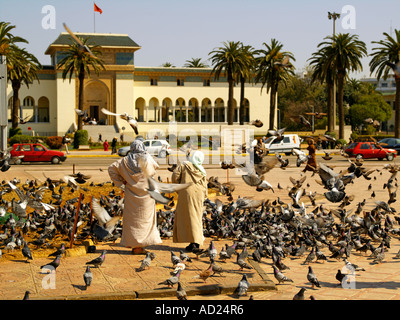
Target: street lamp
334	16
3	103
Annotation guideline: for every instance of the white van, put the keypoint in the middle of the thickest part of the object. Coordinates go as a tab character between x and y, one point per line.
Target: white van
285	145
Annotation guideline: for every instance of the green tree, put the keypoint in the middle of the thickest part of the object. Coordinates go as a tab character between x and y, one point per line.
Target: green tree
22	68
244	74
343	53
78	62
273	67
384	59
7	38
370	106
229	60
168	65
324	74
195	63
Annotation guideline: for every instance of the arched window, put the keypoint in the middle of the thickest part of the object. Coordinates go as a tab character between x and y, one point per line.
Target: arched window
43	110
28	109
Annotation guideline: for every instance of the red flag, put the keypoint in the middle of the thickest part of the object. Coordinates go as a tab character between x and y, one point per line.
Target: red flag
97	9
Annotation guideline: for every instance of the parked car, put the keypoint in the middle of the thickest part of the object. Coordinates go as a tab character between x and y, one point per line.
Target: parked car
390	143
369	150
35	152
285	145
159	148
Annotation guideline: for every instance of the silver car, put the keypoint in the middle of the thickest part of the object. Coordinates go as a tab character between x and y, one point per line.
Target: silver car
159	148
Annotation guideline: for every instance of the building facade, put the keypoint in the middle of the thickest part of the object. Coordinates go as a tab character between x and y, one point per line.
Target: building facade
189	98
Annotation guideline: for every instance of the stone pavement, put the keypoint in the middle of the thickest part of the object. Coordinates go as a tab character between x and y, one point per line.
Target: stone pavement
118	279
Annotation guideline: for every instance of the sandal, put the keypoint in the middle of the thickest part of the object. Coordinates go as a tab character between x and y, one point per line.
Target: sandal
139	250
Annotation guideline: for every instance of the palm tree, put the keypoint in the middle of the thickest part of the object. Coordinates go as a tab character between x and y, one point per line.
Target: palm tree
22	68
384	60
195	63
273	67
343	53
7	38
228	59
79	62
245	74
324	74
168	65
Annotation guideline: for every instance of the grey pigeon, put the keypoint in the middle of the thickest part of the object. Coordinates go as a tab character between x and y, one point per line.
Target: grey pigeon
88	277
26	295
280	276
27	252
97	262
242	286
146	262
299	295
312	277
59	251
174	258
181	292
53	265
170	282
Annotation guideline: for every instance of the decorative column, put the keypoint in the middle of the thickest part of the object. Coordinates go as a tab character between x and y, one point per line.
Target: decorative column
199	110
187	114
212	114
238	115
147	113
173	113
226	113
160	115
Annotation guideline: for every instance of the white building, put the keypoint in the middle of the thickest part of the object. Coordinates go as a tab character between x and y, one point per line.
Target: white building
156	96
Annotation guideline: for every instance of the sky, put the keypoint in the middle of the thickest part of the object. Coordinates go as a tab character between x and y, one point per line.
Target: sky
178	30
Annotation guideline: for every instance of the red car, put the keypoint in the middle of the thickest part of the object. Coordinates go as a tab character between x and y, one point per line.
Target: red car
369	150
35	152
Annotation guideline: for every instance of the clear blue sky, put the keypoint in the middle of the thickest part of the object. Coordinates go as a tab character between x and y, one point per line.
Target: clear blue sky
178	30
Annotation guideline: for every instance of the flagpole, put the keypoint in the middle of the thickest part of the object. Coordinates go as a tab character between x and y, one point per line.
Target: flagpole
94	20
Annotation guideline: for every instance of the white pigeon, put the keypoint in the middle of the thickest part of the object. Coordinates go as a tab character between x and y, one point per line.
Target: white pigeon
131	120
103	217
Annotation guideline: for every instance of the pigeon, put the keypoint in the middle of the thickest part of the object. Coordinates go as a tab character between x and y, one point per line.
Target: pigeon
301	157
80	177
340	276
88	277
59	251
180	292
24	120
26	252
97	262
174	259
352	267
131	120
146	261
170	282
205	274
82	46
312	278
280	276
311	256
53	265
184	257
26	295
242	287
103	218
257	123
157	189
299	295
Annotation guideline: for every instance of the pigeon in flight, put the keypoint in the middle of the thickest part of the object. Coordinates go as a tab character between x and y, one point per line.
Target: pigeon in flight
131	120
82	46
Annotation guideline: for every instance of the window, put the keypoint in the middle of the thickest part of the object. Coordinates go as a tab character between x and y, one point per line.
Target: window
38	148
154	82
365	146
384	85
180	82
156	144
146	143
206	82
43	109
286	140
26	147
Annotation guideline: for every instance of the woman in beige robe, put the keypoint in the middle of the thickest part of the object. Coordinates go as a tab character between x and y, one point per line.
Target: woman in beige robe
188	220
139	228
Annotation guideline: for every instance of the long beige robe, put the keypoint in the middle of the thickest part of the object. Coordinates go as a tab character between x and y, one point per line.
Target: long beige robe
188	220
139	220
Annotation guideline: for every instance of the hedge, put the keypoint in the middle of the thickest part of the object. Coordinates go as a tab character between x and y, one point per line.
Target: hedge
81	137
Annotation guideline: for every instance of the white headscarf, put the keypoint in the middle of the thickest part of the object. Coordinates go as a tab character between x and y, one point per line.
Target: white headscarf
197	159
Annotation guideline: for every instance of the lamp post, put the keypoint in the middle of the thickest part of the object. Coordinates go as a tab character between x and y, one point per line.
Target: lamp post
334	16
3	103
